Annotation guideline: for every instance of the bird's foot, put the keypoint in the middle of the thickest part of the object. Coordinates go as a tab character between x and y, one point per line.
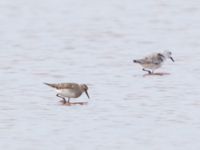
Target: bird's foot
63	101
149	72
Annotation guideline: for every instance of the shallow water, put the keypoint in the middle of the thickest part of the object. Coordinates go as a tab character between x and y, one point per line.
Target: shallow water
94	42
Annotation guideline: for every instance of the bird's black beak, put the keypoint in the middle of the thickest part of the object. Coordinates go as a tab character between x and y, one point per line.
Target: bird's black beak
87	94
172	59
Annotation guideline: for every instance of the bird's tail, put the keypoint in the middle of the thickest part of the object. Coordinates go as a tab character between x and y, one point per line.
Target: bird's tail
136	61
51	85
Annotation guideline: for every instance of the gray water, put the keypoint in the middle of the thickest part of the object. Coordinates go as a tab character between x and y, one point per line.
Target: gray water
94	42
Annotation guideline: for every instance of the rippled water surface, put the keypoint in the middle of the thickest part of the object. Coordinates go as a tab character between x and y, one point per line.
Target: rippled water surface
94	42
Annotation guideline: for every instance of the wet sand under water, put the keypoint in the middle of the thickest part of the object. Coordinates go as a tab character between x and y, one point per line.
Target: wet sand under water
156	74
74	103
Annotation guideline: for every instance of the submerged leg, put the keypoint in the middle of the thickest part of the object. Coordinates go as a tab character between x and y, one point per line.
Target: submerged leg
64	100
147	71
68	100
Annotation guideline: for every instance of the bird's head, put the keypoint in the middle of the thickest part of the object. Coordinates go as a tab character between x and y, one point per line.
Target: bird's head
84	88
168	54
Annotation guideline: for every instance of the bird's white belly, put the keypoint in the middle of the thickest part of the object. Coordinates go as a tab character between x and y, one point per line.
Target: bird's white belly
152	66
67	93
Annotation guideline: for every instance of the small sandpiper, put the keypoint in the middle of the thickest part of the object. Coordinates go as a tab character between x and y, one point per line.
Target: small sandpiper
154	61
69	90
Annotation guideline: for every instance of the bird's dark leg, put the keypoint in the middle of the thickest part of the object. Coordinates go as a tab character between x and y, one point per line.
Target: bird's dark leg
147	71
64	100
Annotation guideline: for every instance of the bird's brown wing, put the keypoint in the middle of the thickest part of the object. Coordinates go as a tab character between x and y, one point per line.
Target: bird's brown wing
62	85
155	58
